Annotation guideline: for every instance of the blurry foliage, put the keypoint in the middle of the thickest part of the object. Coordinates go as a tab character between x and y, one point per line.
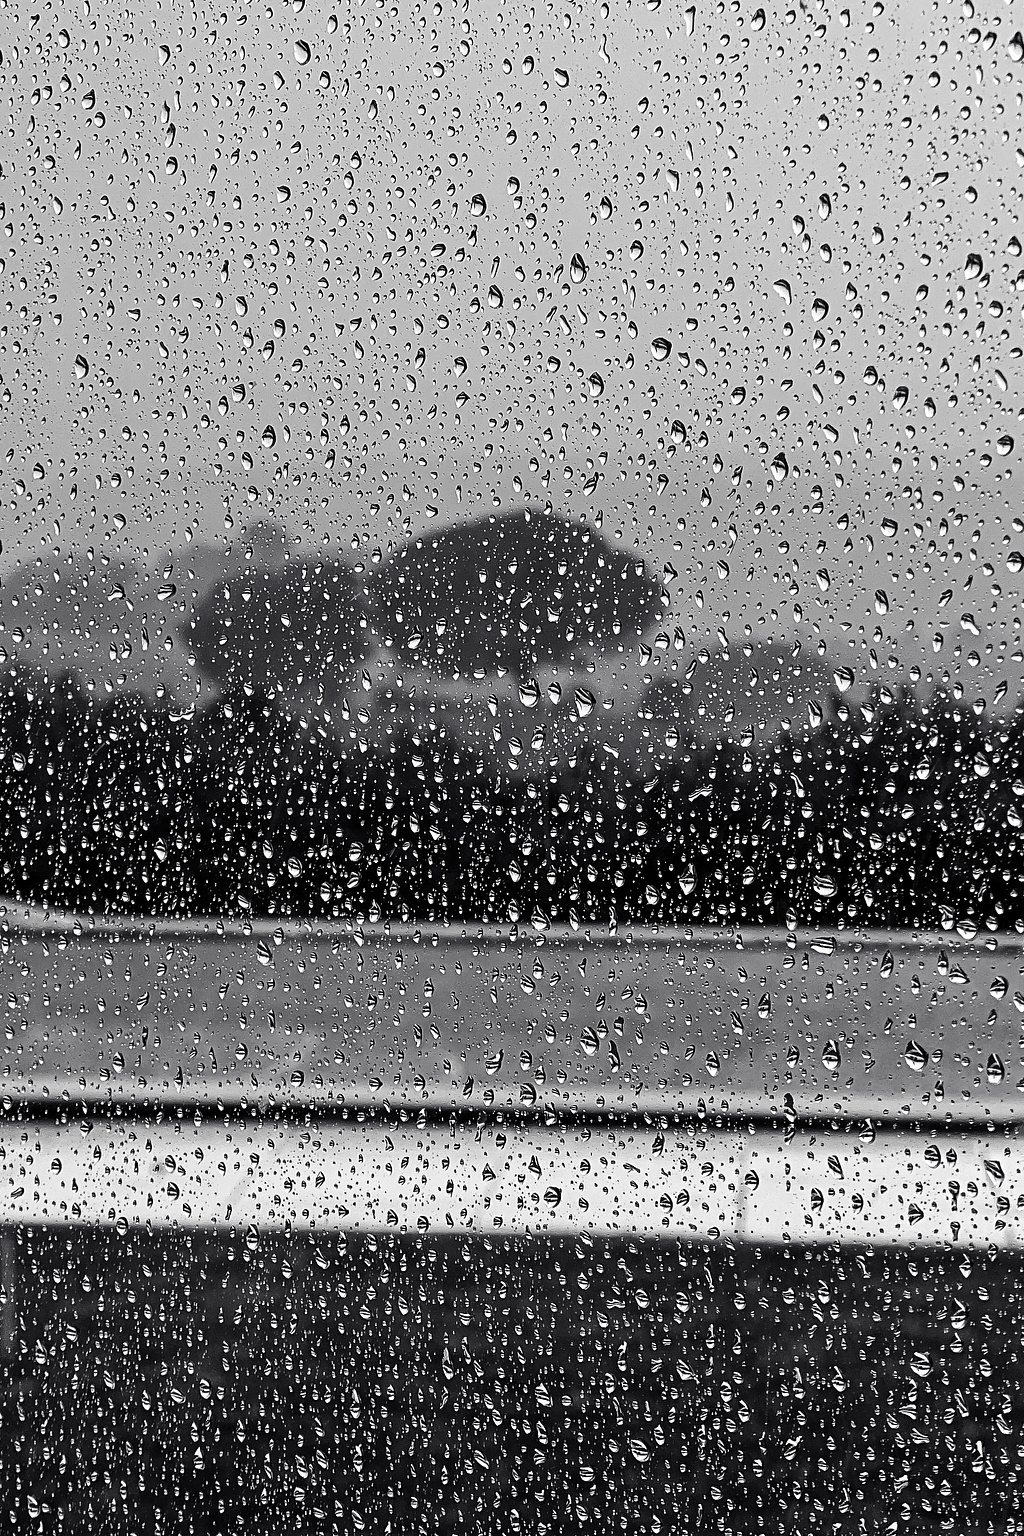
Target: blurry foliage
897	813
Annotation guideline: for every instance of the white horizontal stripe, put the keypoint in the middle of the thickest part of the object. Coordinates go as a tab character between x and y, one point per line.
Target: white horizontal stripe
815	1188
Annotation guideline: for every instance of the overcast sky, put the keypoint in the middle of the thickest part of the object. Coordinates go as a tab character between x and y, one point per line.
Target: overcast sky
319	265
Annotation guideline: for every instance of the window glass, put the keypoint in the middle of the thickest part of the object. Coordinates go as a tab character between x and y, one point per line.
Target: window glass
511	767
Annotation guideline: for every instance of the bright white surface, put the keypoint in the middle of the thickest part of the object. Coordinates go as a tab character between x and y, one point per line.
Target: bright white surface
895	1189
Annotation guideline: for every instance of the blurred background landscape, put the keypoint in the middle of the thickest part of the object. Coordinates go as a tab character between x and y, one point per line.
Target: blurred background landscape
494	723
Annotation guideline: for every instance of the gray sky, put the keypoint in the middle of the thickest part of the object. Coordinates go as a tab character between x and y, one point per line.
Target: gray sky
318	265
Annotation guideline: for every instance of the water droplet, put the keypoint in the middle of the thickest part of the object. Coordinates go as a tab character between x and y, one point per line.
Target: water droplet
780	467
995	1071
495	297
661	348
577	268
831	1056
881	602
915	1056
81	367
758	20
478	206
595	386
824	206
784	291
1004	445
302	52
1016	47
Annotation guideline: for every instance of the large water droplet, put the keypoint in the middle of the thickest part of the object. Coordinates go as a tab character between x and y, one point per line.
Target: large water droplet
661	348
915	1056
302	51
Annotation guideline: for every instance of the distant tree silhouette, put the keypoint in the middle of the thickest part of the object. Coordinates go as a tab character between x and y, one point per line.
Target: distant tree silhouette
516	589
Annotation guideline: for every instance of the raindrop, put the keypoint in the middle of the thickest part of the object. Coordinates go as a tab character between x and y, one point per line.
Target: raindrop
915	1056
661	348
831	1057
302	52
495	298
478	205
81	367
577	268
780	467
995	1071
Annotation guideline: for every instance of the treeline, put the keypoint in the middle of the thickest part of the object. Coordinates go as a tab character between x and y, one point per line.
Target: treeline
897	814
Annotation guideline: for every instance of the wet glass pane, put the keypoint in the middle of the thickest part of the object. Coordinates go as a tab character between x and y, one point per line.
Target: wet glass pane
511	767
